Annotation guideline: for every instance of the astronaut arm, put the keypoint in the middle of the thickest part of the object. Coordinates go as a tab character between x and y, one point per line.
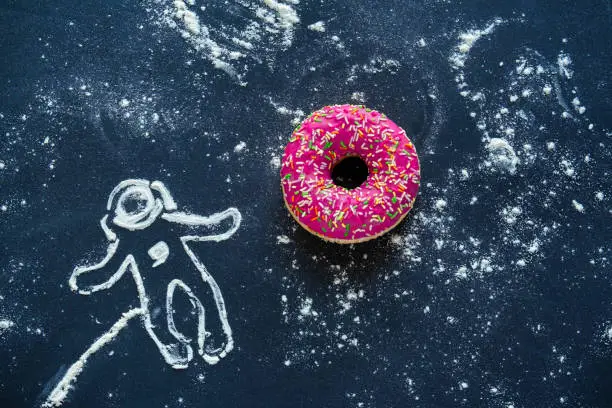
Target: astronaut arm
216	227
83	282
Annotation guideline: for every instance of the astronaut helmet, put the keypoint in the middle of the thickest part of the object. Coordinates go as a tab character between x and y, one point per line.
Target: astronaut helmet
136	203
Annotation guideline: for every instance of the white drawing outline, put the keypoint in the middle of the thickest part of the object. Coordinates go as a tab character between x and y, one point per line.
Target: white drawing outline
140	218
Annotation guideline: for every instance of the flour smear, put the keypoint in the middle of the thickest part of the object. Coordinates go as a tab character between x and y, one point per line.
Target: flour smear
232	35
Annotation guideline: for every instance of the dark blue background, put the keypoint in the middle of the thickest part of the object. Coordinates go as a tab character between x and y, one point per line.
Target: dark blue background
95	148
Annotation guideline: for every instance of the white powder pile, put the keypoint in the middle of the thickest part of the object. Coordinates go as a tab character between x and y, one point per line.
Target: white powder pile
358	96
467	40
283	239
511	214
564	62
239	148
440	204
568	168
188	17
286	18
502	156
286	14
318	26
275	162
577	206
608	333
6	324
306	308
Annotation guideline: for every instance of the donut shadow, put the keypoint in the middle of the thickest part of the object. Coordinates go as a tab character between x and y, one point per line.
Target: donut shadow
321	261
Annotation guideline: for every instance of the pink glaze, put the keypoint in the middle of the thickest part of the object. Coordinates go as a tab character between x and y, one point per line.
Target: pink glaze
336	213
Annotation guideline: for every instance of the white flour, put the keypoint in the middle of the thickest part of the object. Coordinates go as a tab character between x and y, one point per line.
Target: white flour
283	239
266	27
318	26
501	156
577	206
6	324
60	392
239	148
467	40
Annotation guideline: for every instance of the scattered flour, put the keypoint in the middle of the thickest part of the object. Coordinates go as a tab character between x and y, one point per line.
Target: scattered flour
6	324
568	169
283	239
358	96
511	214
502	156
306	308
374	66
61	390
563	62
467	41
318	26
239	148
440	204
577	206
608	333
188	17
275	162
298	114
462	272
287	17
241	31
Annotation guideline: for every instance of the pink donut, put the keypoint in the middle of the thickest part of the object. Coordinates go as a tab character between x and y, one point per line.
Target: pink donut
347	215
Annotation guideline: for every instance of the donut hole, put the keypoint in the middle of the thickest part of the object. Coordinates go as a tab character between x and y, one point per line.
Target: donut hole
350	172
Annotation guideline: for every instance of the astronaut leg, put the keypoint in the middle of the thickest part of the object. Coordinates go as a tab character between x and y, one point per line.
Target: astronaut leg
196	304
178	355
223	341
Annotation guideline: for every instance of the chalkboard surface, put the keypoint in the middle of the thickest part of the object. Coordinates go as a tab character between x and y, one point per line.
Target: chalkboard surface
147	258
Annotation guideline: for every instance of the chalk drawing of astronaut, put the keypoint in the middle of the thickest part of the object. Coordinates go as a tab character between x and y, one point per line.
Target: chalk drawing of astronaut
135	205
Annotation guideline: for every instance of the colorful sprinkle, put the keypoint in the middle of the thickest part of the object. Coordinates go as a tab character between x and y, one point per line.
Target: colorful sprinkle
323	139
